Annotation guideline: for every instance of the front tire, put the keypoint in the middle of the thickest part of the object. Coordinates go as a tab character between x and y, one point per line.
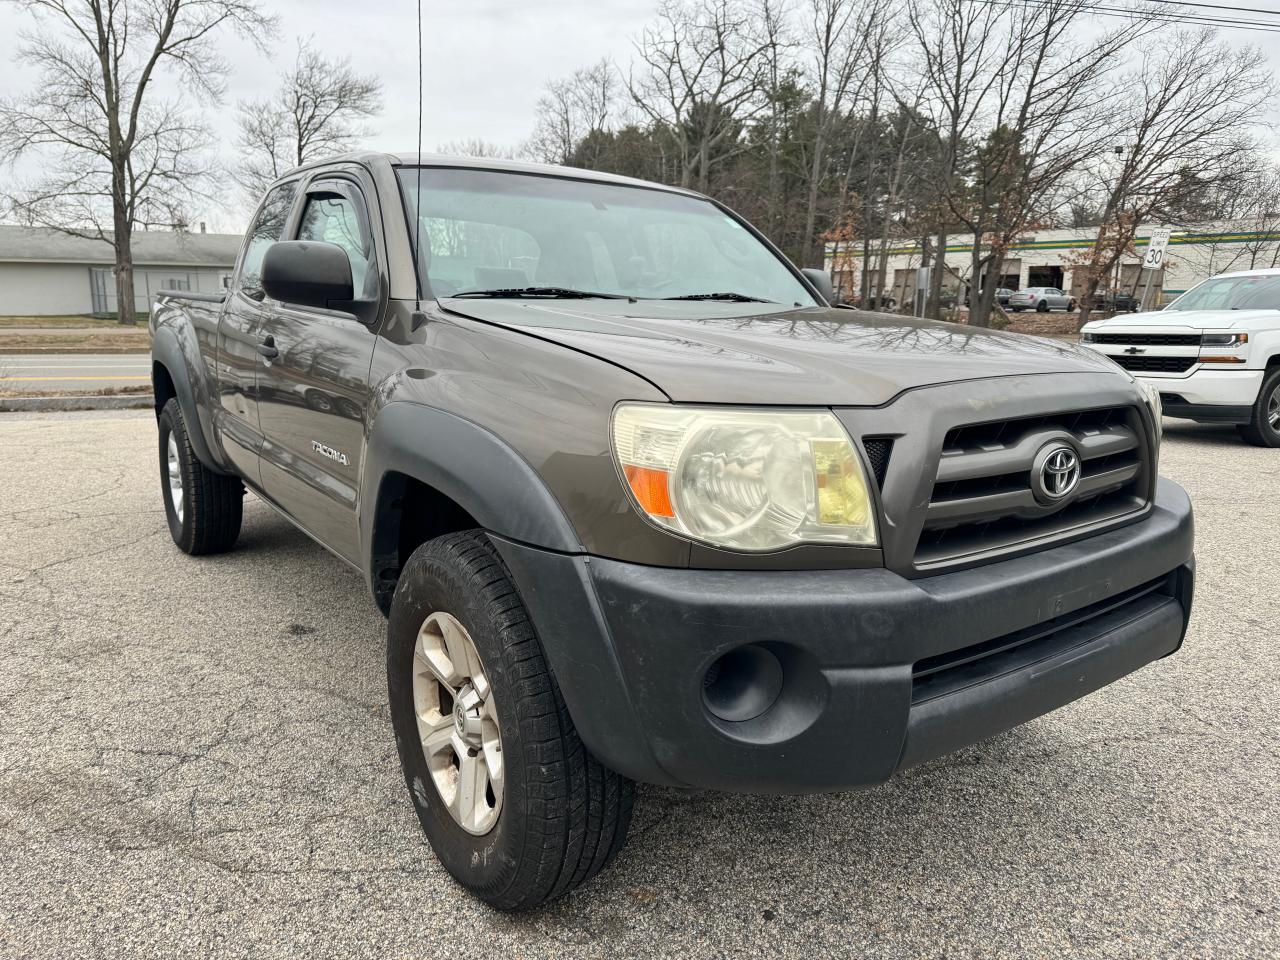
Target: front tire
204	509
1263	430
512	803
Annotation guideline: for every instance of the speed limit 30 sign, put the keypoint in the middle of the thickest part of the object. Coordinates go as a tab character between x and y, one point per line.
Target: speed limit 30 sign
1153	259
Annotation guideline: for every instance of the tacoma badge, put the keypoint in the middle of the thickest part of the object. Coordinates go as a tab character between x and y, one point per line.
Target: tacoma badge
329	452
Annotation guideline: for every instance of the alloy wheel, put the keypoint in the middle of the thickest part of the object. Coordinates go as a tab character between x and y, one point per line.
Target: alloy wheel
175	477
458	723
1273	409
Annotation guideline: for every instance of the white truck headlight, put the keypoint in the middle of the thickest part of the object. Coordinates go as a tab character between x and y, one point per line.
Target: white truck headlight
743	479
1223	339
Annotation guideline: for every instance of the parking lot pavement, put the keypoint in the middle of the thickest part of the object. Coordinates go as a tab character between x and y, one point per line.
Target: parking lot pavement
195	760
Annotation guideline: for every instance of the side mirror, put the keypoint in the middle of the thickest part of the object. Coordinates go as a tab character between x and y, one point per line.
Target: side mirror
821	282
308	273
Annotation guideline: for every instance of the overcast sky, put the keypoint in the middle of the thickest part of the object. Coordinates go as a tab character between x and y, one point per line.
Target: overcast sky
485	62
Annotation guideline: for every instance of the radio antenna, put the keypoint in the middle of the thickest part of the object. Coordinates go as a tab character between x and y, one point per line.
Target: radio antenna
417	189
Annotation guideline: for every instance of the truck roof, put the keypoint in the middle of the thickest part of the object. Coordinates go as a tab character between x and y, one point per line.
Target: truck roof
484	163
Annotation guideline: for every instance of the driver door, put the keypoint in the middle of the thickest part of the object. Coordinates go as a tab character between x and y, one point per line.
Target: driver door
313	394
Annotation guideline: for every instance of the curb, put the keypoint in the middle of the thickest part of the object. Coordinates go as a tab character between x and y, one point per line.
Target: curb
132	401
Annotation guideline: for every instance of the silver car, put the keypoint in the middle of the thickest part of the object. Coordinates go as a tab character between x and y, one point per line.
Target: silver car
1041	299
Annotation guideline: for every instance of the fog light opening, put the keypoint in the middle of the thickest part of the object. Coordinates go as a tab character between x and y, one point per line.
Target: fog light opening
743	684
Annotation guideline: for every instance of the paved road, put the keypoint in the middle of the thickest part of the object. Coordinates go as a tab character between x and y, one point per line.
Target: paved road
97	329
195	760
51	372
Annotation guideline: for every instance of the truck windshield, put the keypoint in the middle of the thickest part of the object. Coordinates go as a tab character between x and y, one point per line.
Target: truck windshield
1232	293
484	230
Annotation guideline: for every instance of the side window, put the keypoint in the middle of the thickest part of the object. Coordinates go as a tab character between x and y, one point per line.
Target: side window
333	217
267	228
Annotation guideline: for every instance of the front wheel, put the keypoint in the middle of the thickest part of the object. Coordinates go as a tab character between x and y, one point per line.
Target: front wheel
1263	429
511	802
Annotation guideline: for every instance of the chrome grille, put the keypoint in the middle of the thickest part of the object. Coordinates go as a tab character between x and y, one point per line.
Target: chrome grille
984	498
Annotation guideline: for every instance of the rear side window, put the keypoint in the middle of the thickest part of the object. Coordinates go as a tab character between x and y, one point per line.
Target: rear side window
268	227
335	217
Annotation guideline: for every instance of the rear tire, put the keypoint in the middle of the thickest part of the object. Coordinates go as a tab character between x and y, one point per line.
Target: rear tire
204	509
552	816
1042	307
1263	430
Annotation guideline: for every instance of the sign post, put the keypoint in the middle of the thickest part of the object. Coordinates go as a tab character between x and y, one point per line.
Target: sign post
923	276
1153	259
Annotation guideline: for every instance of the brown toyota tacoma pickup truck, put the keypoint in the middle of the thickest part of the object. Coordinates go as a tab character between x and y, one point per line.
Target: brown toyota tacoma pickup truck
640	504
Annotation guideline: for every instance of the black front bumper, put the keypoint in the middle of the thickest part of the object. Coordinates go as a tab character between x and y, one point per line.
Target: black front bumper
879	671
1207	412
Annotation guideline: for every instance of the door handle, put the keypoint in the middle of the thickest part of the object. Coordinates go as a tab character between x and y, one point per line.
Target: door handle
268	348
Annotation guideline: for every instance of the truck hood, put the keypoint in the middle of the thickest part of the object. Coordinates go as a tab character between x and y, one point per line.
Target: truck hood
701	352
1175	320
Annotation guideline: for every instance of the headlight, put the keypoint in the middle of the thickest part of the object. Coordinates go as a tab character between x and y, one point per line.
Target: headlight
1223	339
1088	338
742	479
1152	396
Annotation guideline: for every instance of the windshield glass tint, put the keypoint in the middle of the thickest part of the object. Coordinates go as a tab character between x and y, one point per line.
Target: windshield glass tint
1232	293
482	230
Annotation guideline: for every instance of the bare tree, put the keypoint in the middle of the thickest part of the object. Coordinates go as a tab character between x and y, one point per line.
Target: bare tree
850	42
700	75
1046	108
318	111
478	148
120	156
571	109
1256	205
775	73
1189	109
958	53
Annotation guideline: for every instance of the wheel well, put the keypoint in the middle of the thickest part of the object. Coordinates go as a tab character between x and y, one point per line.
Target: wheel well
162	386
408	514
1273	362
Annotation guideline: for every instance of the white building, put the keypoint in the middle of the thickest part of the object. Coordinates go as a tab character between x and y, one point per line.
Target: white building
1051	258
46	273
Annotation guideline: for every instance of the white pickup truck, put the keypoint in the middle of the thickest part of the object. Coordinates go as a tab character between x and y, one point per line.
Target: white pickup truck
1214	353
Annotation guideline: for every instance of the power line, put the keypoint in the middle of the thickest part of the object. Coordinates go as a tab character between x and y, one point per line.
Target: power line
1152	16
1215	6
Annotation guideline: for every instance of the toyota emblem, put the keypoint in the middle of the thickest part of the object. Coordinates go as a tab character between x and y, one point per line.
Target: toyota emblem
1057	473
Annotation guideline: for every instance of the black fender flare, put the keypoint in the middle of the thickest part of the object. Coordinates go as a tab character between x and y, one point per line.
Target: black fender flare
167	351
506	497
467	463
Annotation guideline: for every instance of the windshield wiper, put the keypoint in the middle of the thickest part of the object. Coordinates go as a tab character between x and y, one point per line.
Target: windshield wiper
557	293
735	297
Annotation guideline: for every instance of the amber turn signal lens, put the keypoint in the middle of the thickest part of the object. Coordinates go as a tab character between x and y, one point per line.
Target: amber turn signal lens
651	488
1222	359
